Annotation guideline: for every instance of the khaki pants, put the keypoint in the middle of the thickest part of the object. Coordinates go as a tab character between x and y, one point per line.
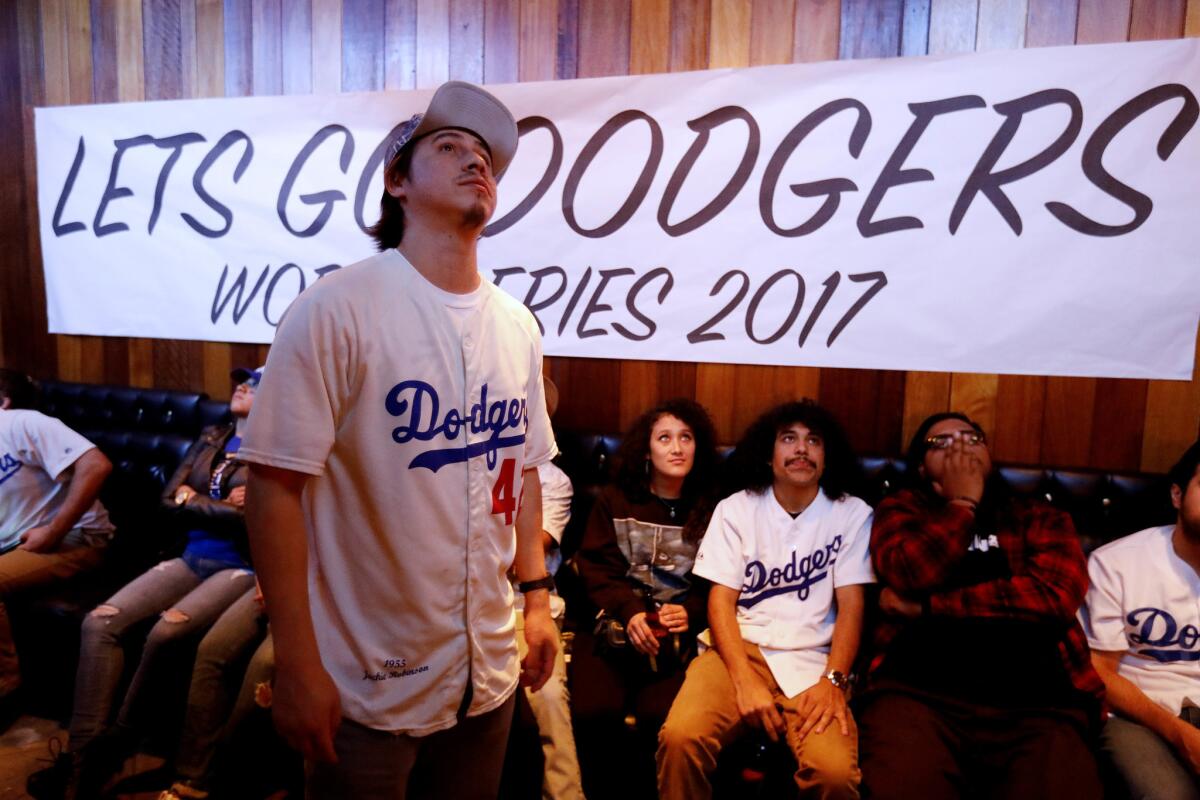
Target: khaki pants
704	718
21	570
551	708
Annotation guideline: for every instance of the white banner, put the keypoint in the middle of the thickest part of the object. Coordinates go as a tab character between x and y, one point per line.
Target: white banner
1032	212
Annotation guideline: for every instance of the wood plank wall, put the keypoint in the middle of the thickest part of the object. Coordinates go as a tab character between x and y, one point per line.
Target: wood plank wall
94	51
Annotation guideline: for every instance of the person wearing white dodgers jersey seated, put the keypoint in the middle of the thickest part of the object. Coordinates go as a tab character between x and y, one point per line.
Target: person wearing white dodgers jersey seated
788	558
1142	620
393	446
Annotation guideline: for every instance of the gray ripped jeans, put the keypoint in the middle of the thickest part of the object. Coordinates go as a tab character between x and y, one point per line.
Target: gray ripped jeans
189	599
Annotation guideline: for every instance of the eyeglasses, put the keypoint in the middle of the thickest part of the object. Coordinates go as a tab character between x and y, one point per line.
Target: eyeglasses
942	441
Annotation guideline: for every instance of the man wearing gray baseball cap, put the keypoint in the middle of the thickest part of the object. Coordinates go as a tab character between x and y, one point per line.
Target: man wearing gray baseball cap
394	445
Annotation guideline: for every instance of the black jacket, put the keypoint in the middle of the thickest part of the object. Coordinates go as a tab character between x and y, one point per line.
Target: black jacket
201	511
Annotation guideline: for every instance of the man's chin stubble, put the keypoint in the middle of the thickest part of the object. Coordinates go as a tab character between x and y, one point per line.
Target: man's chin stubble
475	216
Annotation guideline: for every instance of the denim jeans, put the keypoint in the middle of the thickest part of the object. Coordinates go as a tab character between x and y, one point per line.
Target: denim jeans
216	706
1150	767
187	603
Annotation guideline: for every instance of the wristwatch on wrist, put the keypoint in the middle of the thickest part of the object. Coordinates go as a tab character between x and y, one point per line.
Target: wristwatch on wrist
839	679
546	582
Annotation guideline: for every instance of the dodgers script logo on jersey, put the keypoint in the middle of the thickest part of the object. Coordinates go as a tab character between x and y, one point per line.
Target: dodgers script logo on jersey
419	407
9	466
795	576
1159	636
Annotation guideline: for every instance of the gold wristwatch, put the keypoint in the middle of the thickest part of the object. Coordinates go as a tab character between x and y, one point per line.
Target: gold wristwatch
839	679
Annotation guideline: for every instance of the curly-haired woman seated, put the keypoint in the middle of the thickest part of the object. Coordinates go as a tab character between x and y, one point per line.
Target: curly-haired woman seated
207	493
636	563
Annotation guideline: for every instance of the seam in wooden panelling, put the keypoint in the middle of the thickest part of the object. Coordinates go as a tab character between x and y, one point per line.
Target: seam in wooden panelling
914	28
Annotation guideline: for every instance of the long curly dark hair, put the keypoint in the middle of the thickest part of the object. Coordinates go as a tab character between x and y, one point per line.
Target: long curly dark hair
698	487
750	464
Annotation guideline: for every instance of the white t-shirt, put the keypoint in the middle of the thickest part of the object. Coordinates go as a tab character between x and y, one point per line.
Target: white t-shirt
416	420
786	570
1144	601
35	450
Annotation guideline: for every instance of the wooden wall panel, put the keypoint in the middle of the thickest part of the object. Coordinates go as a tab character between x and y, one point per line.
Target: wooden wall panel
433	42
538	40
363	57
729	38
400	45
817	30
1103	21
1172	419
914	28
870	28
953	25
1051	22
327	46
500	41
466	40
772	31
1156	19
690	25
297	38
239	48
82	51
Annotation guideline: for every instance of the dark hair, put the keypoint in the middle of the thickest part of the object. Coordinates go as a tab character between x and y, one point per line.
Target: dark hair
750	464
19	388
634	481
389	230
1181	474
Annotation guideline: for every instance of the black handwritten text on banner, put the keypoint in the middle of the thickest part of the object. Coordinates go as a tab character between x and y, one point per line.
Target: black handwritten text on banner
1029	212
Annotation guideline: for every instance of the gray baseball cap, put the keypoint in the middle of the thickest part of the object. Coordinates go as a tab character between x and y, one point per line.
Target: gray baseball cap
457	104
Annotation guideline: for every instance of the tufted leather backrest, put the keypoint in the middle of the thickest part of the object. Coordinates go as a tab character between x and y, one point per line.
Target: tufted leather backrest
1104	505
144	432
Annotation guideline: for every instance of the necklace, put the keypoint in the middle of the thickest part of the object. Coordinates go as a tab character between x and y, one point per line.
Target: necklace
668	504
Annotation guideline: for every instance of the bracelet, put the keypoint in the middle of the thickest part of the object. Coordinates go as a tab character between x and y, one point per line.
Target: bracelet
545	582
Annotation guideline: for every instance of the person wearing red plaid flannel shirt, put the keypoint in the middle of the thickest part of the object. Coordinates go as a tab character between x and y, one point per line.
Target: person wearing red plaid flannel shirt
981	681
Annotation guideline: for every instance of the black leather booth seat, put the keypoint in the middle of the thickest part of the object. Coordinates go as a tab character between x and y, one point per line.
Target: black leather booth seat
1104	505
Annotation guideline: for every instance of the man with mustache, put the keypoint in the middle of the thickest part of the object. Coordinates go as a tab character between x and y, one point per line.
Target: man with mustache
787	558
382	554
1143	626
